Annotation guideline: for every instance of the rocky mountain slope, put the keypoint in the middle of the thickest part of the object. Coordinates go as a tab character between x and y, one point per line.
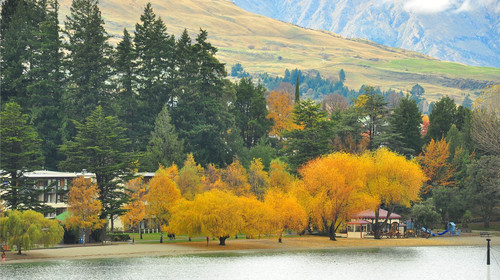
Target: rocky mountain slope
463	31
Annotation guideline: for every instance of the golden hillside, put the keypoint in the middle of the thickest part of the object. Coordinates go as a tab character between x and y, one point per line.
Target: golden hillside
262	44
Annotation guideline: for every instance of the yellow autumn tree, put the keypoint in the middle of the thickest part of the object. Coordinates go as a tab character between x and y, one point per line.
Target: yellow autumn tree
280	106
287	213
334	188
392	180
136	208
220	214
185	219
84	206
236	179
279	177
190	178
258	178
257	217
162	196
436	166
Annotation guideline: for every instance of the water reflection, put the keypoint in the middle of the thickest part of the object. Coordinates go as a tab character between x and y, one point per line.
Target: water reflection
384	263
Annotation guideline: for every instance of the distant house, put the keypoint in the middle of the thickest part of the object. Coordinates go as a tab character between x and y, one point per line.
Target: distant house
361	224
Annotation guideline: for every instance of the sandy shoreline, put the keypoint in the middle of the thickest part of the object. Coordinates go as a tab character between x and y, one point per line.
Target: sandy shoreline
235	246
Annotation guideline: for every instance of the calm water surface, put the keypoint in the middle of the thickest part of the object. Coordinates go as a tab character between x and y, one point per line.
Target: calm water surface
384	263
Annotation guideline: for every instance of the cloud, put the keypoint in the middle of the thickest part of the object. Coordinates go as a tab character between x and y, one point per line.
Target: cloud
436	6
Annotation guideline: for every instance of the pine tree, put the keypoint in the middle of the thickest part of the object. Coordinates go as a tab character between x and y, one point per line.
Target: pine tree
374	109
297	91
46	84
342	76
164	147
405	125
124	70
201	114
250	112
441	118
21	153
154	52
101	147
87	62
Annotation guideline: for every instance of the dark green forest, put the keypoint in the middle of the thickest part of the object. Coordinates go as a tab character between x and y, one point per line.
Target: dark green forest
72	101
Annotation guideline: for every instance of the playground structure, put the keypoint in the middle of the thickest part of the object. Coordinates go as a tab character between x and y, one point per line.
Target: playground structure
451	229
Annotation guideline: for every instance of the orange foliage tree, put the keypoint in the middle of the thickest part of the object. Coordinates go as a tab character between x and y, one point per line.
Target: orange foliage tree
162	196
280	106
190	178
136	208
334	189
434	161
213	178
185	218
392	180
84	206
286	212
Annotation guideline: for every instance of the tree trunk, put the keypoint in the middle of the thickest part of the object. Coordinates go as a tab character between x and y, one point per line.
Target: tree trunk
222	240
376	226
84	236
111	220
281	236
133	235
331	231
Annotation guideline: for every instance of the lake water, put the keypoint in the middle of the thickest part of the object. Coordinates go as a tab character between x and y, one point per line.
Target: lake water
379	263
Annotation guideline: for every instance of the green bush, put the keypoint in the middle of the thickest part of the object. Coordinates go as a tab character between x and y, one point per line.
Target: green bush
118	236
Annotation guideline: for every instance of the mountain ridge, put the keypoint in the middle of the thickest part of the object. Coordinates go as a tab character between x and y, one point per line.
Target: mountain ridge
445	34
262	45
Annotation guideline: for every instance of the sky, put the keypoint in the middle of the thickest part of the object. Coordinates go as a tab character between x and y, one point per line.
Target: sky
436	6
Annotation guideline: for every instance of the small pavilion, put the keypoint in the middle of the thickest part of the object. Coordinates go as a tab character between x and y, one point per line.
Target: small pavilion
361	224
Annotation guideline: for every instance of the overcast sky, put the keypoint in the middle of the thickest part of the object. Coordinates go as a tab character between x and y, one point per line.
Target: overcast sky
435	6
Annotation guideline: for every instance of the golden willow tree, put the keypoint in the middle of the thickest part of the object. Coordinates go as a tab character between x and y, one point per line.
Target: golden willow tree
136	208
213	213
162	196
334	188
28	229
285	212
392	180
84	207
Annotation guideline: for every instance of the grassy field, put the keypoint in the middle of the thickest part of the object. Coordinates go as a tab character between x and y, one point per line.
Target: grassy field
262	45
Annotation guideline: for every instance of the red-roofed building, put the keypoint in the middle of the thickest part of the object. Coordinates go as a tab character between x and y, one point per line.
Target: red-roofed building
361	224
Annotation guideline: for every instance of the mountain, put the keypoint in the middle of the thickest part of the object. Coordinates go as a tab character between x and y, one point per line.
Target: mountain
262	44
462	31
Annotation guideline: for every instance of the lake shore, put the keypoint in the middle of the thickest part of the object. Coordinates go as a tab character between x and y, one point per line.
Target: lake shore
236	246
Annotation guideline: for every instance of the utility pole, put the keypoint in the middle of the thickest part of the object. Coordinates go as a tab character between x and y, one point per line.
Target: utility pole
488	252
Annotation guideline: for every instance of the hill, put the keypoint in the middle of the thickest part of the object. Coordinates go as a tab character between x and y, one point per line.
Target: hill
459	31
262	44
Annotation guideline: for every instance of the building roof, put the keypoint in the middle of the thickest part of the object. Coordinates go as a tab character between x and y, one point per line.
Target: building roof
382	214
56	174
359	222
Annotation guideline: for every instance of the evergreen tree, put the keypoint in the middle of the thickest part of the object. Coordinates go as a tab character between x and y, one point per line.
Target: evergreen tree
312	137
201	114
342	76
297	91
126	96
20	153
375	112
250	112
101	147
87	62
405	122
155	59
441	118
164	146
46	84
